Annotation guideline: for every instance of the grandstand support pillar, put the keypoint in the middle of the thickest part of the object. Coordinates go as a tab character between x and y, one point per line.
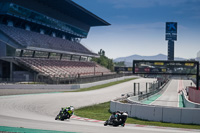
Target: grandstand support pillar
49	54
35	77
87	58
80	58
21	53
71	57
61	55
11	71
33	54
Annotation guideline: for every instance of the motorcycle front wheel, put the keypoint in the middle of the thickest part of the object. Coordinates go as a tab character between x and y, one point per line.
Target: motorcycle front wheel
106	123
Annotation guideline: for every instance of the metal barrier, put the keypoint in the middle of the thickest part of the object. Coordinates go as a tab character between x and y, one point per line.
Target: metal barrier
151	89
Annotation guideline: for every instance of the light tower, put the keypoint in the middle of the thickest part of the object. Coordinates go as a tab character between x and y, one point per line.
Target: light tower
171	36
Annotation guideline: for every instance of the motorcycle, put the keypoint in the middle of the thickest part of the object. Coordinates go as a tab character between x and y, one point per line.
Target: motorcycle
116	119
63	114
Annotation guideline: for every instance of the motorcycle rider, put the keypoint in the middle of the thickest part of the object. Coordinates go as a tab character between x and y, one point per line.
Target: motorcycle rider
65	113
117	118
113	117
122	118
69	111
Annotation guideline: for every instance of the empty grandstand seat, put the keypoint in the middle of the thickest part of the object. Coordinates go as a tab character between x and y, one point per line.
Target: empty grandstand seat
34	39
63	68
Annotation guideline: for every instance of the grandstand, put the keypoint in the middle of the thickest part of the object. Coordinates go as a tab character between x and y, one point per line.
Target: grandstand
41	38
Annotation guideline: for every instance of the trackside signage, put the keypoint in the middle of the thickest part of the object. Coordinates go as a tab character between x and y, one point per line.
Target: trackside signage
171	31
167	67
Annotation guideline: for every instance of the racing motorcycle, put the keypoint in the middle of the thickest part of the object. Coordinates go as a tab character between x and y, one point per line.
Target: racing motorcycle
64	114
117	118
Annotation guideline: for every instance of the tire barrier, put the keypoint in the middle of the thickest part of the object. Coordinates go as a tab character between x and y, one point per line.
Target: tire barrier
158	113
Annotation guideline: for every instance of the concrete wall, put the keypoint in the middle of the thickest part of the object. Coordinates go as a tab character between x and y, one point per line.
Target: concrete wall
38	86
60	86
187	103
158	113
190	116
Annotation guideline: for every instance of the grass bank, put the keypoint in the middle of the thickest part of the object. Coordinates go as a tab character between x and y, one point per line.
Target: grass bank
101	112
103	85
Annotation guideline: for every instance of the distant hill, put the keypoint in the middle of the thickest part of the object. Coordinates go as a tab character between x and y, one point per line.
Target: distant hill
129	59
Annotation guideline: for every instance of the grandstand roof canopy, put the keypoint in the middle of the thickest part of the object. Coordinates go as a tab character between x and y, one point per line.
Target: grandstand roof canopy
76	11
72	9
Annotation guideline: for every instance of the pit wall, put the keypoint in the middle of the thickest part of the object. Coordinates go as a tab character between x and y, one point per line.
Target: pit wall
194	94
187	103
158	113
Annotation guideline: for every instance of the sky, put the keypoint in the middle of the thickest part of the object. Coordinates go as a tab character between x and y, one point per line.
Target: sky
138	27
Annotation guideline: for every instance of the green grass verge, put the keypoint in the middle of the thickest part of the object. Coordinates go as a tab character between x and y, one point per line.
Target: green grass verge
98	112
101	112
104	85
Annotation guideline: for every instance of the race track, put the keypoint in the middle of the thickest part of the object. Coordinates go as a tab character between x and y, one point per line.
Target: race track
37	111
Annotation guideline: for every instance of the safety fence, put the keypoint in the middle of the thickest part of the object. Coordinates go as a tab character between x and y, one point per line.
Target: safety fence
69	80
151	89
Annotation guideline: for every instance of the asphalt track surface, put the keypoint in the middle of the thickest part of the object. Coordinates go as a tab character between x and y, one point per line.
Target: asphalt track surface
170	96
37	111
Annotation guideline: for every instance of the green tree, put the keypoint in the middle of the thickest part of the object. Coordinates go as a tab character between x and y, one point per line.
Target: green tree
104	61
120	64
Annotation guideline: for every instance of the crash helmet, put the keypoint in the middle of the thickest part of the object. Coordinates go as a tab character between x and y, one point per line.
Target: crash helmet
72	108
